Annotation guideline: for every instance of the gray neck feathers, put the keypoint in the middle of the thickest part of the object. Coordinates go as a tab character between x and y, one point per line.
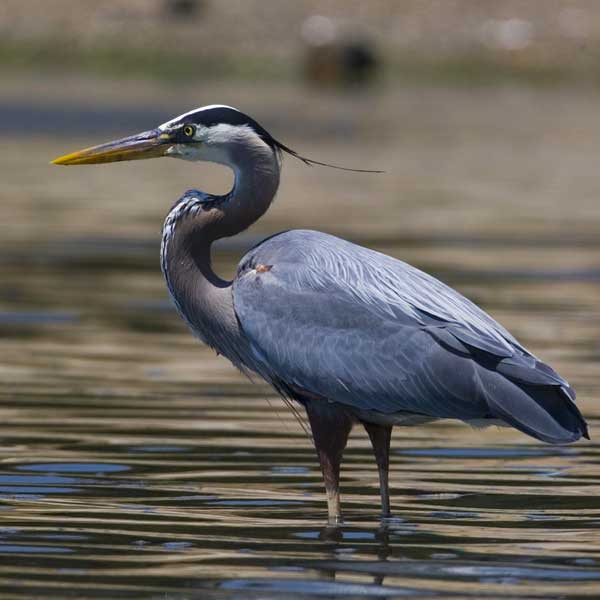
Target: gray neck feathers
203	299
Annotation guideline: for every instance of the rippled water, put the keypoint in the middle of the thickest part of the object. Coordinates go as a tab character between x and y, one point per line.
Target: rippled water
135	463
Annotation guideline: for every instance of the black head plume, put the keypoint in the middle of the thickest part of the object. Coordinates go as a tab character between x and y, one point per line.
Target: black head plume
216	114
310	162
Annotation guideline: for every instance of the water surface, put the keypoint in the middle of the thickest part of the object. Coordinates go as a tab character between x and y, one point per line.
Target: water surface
136	463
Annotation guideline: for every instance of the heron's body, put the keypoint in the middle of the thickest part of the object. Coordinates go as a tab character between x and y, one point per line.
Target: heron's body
351	334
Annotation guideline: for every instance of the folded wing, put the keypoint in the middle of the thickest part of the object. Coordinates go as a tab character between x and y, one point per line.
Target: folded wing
361	328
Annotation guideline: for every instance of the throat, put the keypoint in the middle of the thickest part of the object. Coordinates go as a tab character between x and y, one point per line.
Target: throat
202	298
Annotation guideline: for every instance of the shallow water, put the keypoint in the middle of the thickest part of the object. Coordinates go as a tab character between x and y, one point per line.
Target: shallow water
135	463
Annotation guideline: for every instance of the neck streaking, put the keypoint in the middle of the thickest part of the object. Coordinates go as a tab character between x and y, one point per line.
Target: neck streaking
196	220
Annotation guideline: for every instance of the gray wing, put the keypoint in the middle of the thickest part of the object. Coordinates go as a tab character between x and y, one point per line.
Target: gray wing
359	327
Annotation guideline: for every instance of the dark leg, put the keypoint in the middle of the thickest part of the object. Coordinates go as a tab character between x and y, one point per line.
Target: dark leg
381	436
330	428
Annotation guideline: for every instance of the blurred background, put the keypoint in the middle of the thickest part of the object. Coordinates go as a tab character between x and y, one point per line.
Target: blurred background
483	115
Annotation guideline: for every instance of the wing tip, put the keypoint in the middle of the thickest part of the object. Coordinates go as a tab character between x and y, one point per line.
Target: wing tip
545	412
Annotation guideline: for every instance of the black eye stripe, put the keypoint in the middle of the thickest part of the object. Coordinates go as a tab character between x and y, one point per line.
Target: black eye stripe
208	117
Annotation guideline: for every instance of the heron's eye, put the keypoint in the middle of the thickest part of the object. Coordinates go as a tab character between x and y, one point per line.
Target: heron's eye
189	131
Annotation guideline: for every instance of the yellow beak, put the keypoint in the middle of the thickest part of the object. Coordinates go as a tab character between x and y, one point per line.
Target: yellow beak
149	144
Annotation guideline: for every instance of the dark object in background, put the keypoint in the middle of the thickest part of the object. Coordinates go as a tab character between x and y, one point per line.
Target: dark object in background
183	8
359	61
337	58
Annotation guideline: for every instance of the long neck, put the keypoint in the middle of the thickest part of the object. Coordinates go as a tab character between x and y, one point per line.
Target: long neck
198	219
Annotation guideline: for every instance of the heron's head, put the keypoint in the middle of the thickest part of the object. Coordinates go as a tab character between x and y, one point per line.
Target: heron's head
210	133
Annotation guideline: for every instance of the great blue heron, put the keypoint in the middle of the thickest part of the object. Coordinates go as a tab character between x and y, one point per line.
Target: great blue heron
352	335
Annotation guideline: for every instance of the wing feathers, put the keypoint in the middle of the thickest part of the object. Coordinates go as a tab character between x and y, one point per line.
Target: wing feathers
358	327
494	346
517	368
545	413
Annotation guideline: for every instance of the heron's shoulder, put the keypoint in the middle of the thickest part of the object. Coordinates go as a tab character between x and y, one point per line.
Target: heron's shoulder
299	238
293	246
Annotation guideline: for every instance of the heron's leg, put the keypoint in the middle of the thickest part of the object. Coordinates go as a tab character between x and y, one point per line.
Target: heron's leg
381	436
331	427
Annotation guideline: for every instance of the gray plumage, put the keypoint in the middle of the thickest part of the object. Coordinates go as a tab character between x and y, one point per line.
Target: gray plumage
349	333
371	332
